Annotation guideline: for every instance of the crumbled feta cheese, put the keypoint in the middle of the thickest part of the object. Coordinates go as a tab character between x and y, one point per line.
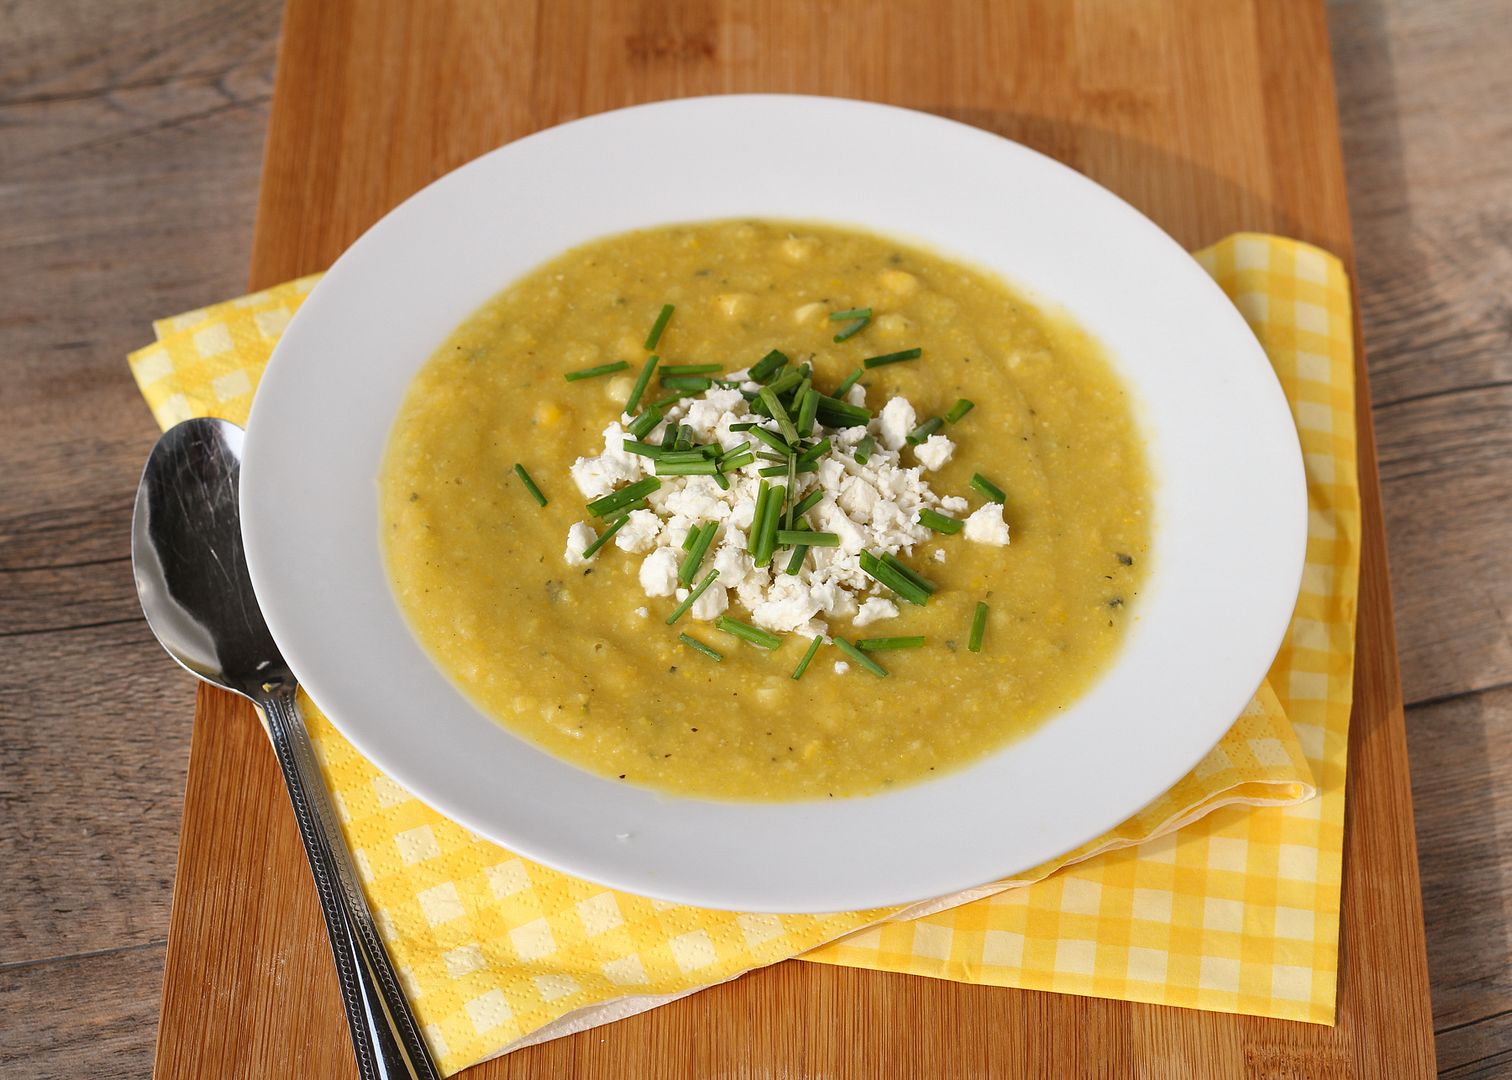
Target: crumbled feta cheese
578	538
875	609
895	422
856	395
953	504
658	573
711	604
638	535
643	612
841	667
939	555
934	452
986	525
597	476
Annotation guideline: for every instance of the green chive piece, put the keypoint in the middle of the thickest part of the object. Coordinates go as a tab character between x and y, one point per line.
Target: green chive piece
669	437
853	313
530	485
658	326
776	497
603	538
736	461
862	316
959	409
888	576
745	425
722	480
788	537
850	380
698	646
767	366
851	331
808	657
687	602
795	561
782	470
863	451
645	423
684	437
746	632
808	408
695	556
925	430
772	439
689	369
892	358
939	522
622	511
650	450
918	579
688	384
641	382
691	538
594	372
739	448
881	644
817	451
671	399
758	519
702	467
809	501
836	413
623	497
988	489
860	657
779	414
978	627
786	381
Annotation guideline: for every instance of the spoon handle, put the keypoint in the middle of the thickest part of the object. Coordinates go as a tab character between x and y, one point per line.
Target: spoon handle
385	1036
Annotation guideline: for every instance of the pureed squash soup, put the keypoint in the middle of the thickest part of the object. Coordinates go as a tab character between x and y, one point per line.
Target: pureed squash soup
937	640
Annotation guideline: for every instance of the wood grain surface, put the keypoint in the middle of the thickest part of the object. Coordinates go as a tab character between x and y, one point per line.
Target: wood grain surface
130	135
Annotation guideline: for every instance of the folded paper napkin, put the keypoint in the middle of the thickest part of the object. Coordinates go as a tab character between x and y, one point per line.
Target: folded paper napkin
1222	894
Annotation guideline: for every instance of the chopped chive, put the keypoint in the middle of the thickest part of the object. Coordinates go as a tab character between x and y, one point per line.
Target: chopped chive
779	414
892	358
698	646
701	467
860	657
836	413
745	425
603	538
692	453
753	538
881	644
650	450
788	537
684	437
862	316
766	455
888	559
988	489
863	451
688	384
889	577
811	500
616	499
735	461
722	480
622	511
776	497
767	366
959	409
939	522
850	380
696	553
807	657
853	313
746	632
689	369
978	627
785	382
815	452
691	538
669	437
530	485
851	331
658	326
808	408
772	439
787	496
593	372
641	382
925	430
667	402
782	470
730	451
645	423
795	561
687	602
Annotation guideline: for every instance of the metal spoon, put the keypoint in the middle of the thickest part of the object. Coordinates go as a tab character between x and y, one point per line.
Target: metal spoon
191	577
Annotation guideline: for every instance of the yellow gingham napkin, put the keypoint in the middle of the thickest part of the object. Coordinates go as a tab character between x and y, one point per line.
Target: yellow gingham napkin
1222	894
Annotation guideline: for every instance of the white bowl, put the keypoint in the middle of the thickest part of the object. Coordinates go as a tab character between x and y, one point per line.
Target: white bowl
1229	537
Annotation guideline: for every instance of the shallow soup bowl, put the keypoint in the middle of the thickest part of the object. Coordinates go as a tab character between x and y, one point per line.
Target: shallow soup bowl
1229	498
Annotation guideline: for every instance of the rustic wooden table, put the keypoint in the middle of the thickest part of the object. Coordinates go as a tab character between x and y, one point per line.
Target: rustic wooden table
129	161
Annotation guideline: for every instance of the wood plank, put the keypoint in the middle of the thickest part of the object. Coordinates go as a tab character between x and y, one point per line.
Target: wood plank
1208	133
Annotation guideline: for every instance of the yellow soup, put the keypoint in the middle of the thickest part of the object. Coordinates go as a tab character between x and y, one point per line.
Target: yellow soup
577	659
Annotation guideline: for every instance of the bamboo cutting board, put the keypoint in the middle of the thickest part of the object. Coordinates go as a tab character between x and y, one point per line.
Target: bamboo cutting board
1209	116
